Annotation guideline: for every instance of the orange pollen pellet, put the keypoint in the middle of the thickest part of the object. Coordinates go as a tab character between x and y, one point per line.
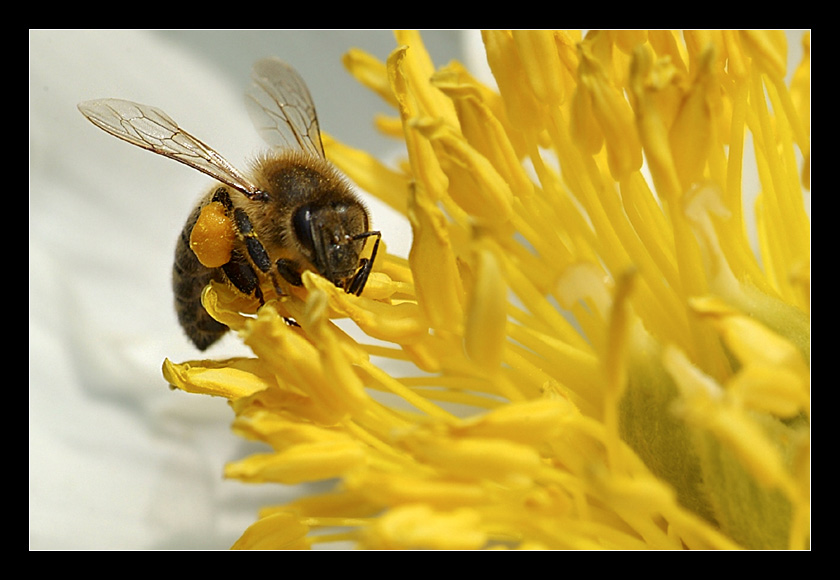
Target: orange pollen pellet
212	236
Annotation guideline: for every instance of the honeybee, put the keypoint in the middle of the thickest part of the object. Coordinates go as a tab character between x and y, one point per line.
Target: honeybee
292	212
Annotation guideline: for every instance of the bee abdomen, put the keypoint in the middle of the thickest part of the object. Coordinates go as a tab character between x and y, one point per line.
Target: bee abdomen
189	277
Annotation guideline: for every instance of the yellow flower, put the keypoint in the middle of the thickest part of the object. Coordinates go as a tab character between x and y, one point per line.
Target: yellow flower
582	350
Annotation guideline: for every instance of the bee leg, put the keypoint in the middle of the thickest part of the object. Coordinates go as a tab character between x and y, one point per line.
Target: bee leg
255	248
290	270
357	284
222	196
242	276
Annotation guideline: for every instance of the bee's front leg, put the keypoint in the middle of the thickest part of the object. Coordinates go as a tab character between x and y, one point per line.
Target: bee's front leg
357	283
290	270
242	276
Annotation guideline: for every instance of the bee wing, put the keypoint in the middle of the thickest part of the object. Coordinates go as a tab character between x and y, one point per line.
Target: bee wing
282	109
152	129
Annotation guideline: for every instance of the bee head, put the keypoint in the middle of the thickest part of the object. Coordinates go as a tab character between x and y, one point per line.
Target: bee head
329	236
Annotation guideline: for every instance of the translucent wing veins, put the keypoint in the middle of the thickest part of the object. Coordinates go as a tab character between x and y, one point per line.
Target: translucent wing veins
152	129
282	109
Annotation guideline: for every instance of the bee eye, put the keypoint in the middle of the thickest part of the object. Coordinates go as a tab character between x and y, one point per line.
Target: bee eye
302	223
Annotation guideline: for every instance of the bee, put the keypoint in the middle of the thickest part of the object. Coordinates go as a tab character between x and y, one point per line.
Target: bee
292	212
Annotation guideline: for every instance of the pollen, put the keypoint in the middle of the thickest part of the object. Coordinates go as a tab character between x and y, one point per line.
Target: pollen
213	236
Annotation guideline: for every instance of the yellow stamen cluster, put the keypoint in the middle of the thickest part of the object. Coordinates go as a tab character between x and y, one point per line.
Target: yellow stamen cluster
582	349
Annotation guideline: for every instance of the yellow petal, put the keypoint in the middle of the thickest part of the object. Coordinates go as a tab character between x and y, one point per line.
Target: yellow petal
369	71
304	462
421	527
275	532
485	127
484	337
769	48
395	489
545	73
691	133
438	283
505	461
232	379
474	183
614	116
529	422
